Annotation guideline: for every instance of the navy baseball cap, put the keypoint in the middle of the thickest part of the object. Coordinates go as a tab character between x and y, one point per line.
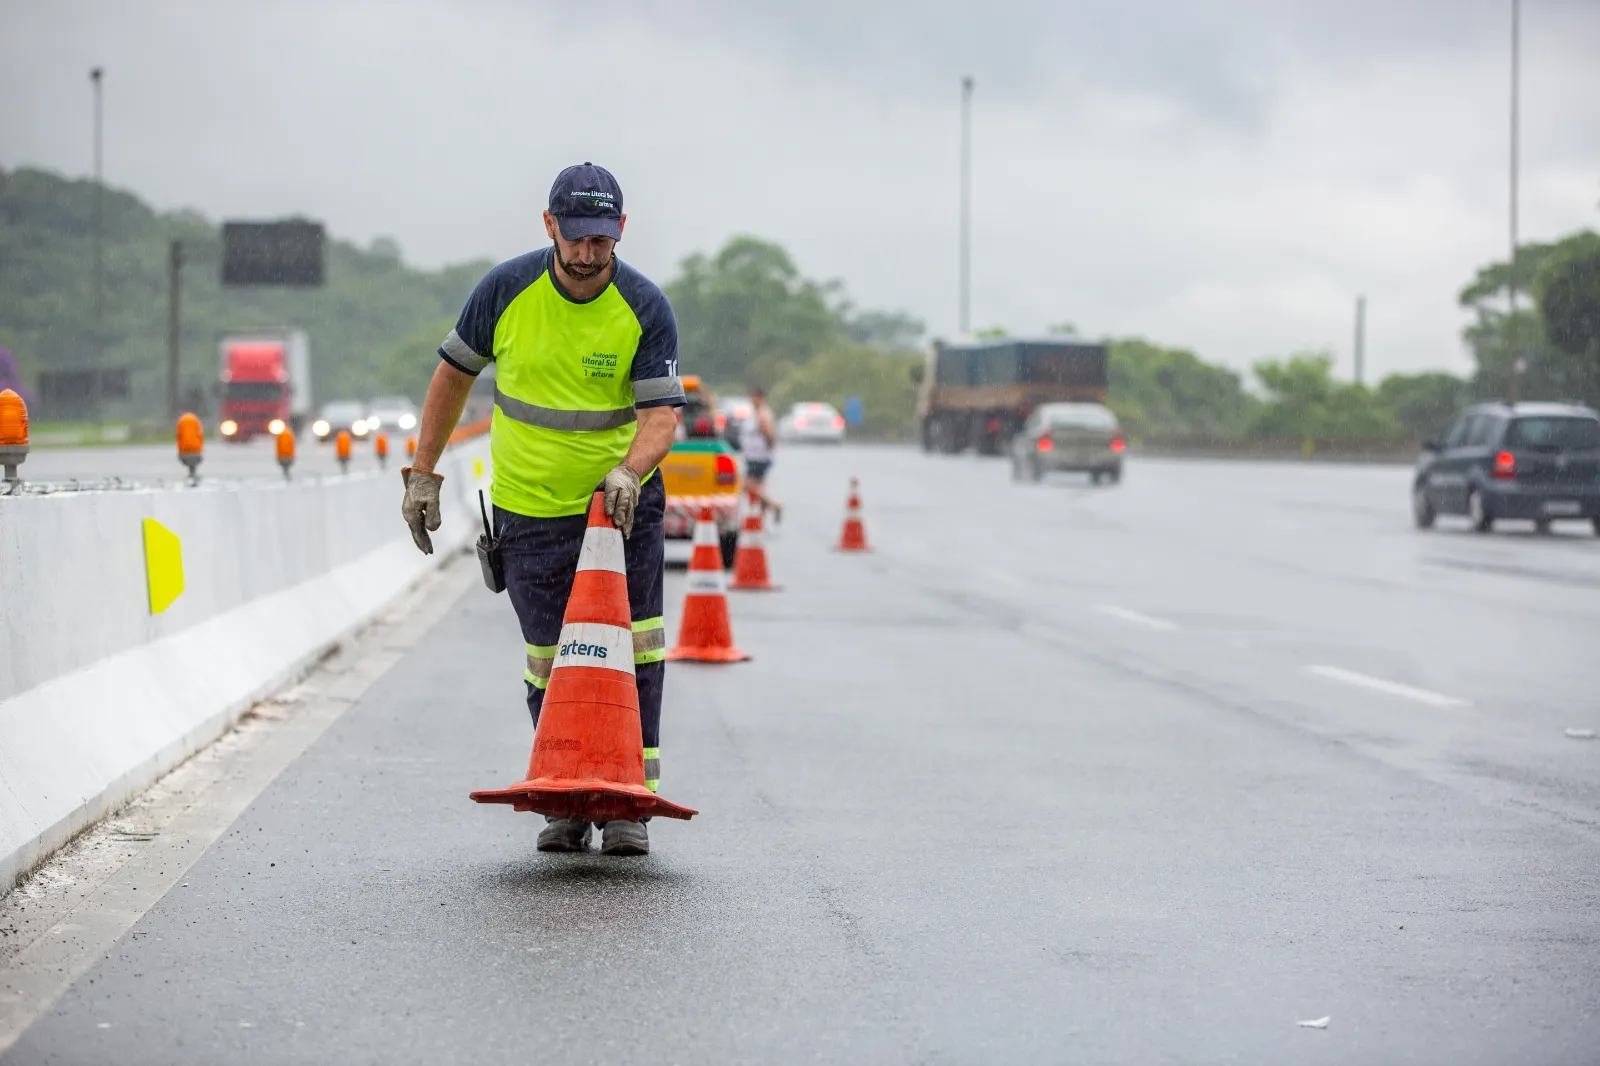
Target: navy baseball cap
587	202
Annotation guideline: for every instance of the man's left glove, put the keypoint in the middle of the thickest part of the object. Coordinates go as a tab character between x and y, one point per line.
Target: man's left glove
621	487
420	508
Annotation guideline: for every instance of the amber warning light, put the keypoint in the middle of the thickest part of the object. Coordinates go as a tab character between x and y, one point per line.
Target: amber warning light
191	444
13	433
285	440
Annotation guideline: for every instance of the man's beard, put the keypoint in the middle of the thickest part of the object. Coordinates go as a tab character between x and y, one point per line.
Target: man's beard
578	271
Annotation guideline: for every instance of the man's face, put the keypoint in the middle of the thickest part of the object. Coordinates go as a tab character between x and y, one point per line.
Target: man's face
584	258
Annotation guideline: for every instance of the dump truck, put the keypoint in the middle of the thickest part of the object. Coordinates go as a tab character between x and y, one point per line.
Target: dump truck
978	393
265	383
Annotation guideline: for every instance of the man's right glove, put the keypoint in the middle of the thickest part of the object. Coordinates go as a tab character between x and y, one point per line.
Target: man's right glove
621	487
420	508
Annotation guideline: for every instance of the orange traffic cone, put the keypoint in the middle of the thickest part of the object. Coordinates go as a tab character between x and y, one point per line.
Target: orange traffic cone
854	536
588	752
750	560
704	636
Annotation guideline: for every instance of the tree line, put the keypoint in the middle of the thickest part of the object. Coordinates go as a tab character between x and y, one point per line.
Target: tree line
746	315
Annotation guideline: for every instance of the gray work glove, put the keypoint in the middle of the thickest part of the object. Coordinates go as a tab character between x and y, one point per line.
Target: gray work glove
420	508
621	487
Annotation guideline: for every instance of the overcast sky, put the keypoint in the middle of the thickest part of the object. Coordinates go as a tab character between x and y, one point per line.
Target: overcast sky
1225	175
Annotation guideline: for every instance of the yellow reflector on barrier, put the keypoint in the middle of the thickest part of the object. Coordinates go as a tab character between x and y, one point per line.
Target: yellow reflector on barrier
477	469
163	565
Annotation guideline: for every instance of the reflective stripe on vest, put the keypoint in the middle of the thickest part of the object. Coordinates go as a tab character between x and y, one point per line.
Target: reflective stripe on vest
568	421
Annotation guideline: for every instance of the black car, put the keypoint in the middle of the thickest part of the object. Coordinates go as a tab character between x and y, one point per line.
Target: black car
1534	461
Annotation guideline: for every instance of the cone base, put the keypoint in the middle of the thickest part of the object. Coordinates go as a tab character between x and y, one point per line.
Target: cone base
585	801
851	548
765	586
707	655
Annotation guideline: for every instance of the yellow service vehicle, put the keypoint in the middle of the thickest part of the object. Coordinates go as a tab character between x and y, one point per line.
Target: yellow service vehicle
703	470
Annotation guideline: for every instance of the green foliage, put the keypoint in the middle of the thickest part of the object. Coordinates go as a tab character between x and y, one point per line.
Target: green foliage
356	321
746	313
1305	401
1487	291
1557	342
1423	404
1171	391
881	379
1567	291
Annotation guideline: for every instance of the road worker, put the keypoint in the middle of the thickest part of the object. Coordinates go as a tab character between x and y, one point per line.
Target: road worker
585	350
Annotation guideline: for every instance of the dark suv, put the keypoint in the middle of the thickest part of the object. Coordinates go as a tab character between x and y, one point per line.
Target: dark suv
1535	461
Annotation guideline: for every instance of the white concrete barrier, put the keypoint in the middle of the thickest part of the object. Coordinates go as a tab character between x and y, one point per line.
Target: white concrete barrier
99	697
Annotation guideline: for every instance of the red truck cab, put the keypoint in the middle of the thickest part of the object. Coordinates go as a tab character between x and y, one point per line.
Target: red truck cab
265	385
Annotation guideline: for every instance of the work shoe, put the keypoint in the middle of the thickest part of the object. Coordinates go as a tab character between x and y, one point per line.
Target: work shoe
625	838
562	835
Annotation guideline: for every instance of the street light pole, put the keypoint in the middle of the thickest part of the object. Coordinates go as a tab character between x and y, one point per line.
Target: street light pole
1511	264
174	326
1361	338
1516	33
966	205
96	75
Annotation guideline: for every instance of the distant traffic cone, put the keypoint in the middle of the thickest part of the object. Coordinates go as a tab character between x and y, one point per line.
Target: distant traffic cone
750	559
854	536
588	752
704	635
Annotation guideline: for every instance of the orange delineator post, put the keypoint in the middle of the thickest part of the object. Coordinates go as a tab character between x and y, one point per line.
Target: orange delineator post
750	559
411	447
705	634
191	443
588	752
13	433
380	448
285	445
854	536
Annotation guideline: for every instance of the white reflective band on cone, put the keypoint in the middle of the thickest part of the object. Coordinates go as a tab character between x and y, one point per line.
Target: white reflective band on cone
602	550
595	644
705	533
750	538
706	582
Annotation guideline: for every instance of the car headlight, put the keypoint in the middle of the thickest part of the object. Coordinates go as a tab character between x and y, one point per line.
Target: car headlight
360	427
408	421
321	428
229	427
276	426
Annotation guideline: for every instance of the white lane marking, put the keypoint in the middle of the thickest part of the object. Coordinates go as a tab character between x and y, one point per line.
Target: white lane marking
1111	610
1393	688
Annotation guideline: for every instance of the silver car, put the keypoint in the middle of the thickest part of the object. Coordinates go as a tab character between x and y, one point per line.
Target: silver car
1085	437
812	423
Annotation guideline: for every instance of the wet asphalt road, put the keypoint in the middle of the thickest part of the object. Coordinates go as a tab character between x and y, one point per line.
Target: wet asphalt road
1057	774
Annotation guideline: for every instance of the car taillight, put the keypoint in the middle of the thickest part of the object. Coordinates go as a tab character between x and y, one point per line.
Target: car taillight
838	421
1119	445
727	470
702	427
1045	444
722	421
1505	465
993	425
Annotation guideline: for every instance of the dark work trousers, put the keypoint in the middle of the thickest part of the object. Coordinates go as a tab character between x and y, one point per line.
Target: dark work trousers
541	557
